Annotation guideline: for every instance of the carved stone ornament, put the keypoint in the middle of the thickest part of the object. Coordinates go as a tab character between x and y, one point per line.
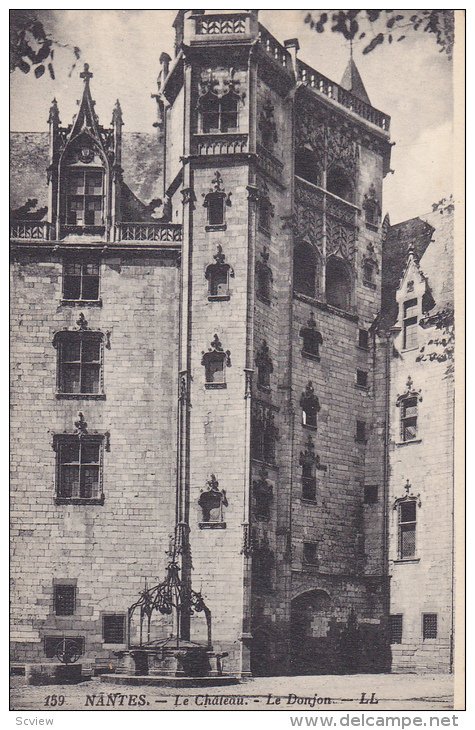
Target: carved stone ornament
267	125
312	338
371	204
409	393
340	240
309	459
408	497
216	349
342	149
308	399
212	501
217	190
220	264
80	425
220	81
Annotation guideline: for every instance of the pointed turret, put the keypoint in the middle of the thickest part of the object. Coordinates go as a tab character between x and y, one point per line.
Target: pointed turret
353	82
86	118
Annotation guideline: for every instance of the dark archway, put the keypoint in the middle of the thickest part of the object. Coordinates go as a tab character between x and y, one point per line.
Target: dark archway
307	165
312	646
338	283
305	269
339	183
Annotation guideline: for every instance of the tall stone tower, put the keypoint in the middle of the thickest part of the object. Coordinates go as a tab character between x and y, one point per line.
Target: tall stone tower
276	174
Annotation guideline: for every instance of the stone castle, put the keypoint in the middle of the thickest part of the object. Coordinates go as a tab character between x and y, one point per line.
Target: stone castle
221	349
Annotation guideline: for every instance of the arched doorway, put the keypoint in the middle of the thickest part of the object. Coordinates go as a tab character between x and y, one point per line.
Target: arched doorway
312	650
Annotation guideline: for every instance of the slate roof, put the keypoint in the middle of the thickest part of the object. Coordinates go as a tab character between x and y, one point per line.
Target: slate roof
141	161
352	81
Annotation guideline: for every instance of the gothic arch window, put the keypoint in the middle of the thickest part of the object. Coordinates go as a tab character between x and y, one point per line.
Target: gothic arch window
406	508
339	183
305	269
408	406
218	275
214	362
267	126
215	201
266	209
312	339
264	278
338	285
265	367
310	406
264	433
219	113
307	165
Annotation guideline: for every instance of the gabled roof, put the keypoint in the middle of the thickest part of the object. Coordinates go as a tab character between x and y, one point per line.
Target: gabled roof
352	81
86	119
413	233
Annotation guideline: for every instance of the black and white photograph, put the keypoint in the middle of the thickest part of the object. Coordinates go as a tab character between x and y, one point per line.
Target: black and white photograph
236	395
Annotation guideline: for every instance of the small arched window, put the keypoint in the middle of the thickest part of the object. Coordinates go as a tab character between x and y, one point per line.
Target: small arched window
307	166
219	114
339	183
338	283
305	269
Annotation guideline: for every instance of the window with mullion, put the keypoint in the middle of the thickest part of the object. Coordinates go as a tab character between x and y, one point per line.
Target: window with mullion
85	197
81	281
80	364
79	468
409	419
407	529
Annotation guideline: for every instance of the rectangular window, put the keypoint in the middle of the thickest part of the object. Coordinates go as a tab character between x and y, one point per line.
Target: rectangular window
310	556
407	529
85	197
362	378
361	432
363	339
215	209
64	600
409	419
113	628
370	494
80	363
429	626
81	281
309	486
410	324
395	628
79	467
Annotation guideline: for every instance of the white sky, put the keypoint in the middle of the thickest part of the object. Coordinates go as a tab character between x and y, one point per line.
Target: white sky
411	81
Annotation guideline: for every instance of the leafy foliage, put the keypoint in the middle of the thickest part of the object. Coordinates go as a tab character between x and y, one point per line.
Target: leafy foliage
31	48
445	205
387	25
440	348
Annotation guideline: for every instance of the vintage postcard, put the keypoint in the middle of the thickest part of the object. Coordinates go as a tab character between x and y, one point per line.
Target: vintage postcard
236	391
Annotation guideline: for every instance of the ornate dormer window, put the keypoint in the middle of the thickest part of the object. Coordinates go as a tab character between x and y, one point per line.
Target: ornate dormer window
267	126
372	208
263	495
214	361
310	406
218	275
310	463
312	339
212	501
264	278
264	367
406	508
215	201
407	403
85	170
79	362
